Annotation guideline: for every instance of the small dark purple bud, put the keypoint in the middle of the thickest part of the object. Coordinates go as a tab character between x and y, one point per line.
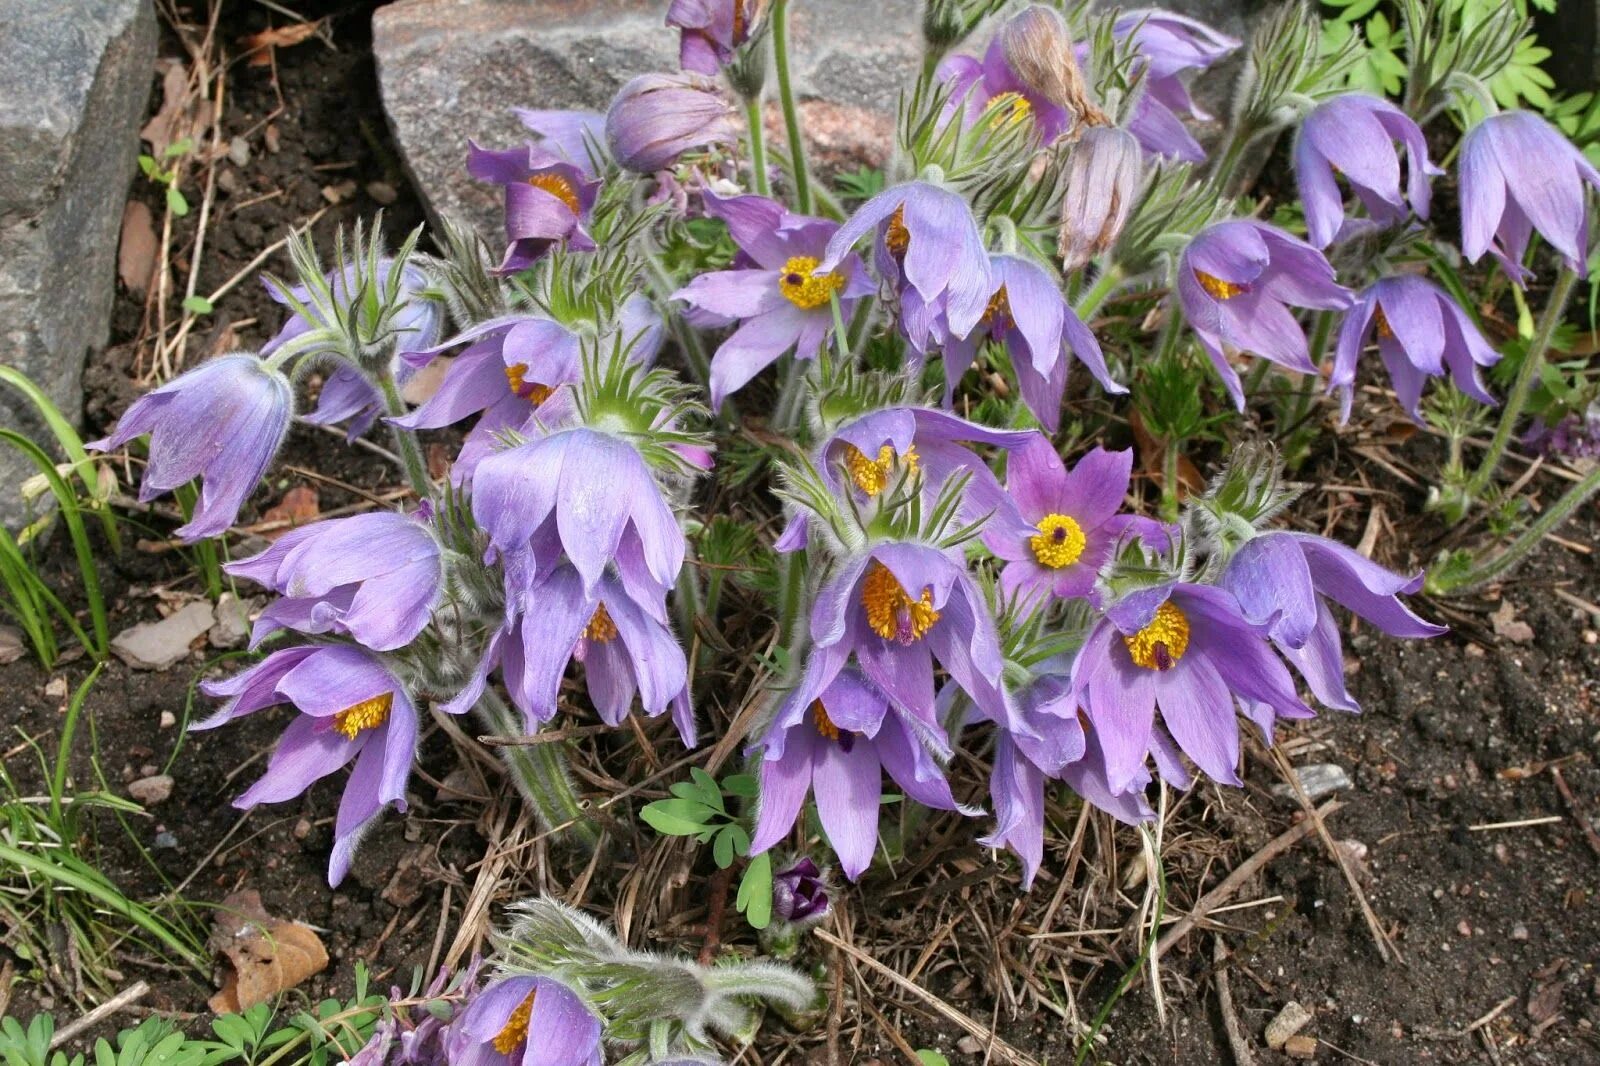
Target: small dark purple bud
800	894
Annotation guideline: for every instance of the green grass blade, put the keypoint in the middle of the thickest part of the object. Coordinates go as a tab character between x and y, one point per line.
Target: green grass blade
71	444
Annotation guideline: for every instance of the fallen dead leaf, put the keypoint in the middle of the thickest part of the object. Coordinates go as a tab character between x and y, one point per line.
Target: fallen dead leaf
299	506
339	192
1509	626
1152	453
262	956
1545	1003
136	252
258	46
179	116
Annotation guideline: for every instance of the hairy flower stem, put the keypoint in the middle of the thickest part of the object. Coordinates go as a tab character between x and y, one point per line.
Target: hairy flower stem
1527	375
791	116
405	442
1171	455
791	397
1102	289
1450	582
758	146
540	774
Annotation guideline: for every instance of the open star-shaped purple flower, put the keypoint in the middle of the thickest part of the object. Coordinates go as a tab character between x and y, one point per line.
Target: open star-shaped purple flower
1237	281
989	90
780	302
1354	135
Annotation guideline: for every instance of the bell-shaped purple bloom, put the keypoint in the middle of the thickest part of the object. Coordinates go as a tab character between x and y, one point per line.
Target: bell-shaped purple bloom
800	893
374	577
1282	580
1028	314
780	303
222	422
527	1021
576	137
1171	48
656	118
584	492
711	30
352	708
1073	518
927	243
989	90
835	743
1188	650
1520	174
1354	135
1237	281
1105	178
1421	333
547	200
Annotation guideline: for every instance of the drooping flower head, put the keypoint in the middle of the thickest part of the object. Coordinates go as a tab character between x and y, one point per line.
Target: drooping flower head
1187	650
1355	135
1073	518
222	422
711	30
352	709
1421	333
576	137
374	577
655	118
526	1021
1029	315
1237	281
776	296
928	245
834	743
1105	177
548	200
1520	174
1028	74
1172	47
1283	579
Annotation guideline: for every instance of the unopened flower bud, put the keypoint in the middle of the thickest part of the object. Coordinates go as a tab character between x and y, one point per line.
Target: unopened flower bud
655	118
800	894
1038	47
1105	175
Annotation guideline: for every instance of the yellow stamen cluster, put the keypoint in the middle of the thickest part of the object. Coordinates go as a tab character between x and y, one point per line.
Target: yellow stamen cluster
804	289
1008	109
825	726
368	714
1222	290
515	1033
1385	330
1059	542
534	392
1161	643
872	475
560	188
891	613
601	629
896	237
998	314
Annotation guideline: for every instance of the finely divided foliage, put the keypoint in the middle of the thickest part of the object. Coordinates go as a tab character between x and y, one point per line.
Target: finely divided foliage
655	265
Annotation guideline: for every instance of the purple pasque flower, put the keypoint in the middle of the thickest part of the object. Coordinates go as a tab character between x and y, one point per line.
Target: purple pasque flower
584	492
1188	650
1022	762
373	577
1072	516
352	708
1520	174
1237	281
1029	315
1171	47
548	199
525	1020
928	245
1421	333
775	294
1573	435
222	422
576	137
711	30
655	118
1283	579
990	90
835	742
1105	179
1354	135
800	893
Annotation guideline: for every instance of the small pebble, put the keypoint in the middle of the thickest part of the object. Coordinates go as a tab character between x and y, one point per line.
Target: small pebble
168	720
1301	1047
969	1045
1519	932
1464	927
56	688
165	839
302	829
1590	636
151	790
1289	1021
239	152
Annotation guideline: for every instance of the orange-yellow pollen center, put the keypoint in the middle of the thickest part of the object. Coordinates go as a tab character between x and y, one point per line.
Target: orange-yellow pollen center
1385	330
824	724
515	1033
1159	645
891	613
532	391
560	188
601	628
368	714
896	237
1222	290
872	475
1059	542
803	288
998	314
1008	109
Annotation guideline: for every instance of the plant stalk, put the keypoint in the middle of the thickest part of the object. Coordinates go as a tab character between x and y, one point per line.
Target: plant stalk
405	442
1450	584
758	146
540	773
1102	289
791	115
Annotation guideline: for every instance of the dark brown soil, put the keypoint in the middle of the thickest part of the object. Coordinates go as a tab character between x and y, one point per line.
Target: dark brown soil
1458	733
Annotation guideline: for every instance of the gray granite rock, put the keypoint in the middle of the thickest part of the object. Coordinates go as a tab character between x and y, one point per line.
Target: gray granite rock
74	77
163	644
451	70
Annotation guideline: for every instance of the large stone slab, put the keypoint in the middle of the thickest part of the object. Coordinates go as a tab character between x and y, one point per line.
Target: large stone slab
453	69
74	78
